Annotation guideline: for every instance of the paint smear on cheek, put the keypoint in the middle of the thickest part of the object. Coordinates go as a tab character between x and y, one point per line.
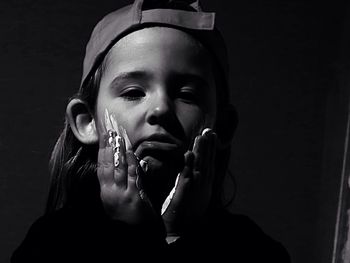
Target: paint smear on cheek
111	125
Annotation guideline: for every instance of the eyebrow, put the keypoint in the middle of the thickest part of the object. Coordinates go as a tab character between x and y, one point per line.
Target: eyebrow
139	74
143	75
193	78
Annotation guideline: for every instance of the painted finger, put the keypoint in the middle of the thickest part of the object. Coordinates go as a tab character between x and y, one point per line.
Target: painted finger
106	129
134	165
124	134
108	124
103	141
115	124
120	164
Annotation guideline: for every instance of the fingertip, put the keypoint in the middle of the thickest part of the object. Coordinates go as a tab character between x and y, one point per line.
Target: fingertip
206	131
188	165
126	138
122	150
189	157
212	138
195	144
130	157
121	142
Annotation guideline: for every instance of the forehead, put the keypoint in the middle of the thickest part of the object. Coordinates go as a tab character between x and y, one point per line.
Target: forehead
159	49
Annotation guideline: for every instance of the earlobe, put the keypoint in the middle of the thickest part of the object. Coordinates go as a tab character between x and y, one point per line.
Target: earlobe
81	121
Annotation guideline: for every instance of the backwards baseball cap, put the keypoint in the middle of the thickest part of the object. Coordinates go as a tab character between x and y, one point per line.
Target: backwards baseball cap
184	15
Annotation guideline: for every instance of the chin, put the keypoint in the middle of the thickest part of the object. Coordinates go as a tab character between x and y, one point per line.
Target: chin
163	169
159	179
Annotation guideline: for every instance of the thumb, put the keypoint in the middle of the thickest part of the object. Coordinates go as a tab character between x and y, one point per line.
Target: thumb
182	183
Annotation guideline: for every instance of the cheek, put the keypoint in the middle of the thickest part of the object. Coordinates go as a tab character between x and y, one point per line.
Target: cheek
129	121
193	120
127	117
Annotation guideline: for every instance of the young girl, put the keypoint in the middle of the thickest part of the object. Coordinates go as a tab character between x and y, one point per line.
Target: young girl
138	170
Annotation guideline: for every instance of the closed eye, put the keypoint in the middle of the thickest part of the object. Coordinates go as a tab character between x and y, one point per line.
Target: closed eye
133	93
188	96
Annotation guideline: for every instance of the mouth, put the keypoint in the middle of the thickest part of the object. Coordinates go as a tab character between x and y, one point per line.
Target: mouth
159	146
164	157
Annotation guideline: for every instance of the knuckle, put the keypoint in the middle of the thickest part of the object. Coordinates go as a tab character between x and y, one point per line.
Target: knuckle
132	169
102	165
108	189
196	174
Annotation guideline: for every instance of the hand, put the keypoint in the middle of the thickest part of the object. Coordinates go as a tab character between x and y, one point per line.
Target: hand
120	194
194	186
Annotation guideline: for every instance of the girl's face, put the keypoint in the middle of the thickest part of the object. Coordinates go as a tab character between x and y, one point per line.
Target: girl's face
159	85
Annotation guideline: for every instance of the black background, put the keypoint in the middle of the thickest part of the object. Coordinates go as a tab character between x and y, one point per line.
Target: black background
287	79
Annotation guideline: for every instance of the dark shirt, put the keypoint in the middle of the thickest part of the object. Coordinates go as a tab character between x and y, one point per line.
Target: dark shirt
69	235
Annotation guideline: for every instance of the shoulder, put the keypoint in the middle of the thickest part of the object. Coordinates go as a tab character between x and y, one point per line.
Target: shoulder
246	237
242	225
225	236
70	235
43	237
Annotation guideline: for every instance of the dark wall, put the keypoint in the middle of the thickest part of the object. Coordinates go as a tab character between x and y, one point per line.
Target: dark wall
283	56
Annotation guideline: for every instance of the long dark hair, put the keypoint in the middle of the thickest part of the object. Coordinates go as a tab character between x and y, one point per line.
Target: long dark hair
73	164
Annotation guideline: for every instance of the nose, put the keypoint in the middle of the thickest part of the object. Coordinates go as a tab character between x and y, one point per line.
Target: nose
160	110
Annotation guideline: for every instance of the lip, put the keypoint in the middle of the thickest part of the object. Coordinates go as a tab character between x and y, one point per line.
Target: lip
157	143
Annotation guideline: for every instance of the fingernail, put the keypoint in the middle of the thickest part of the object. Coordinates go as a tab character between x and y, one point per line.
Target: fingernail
118	141
170	196
144	166
128	145
116	159
116	150
108	124
114	123
189	158
111	139
195	142
206	131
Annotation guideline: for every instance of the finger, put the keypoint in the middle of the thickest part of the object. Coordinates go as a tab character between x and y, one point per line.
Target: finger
209	153
134	178
132	166
108	124
169	198
103	141
105	166
200	151
176	200
211	157
114	123
124	134
187	171
121	169
181	186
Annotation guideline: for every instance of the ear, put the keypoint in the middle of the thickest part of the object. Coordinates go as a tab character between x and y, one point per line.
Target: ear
81	121
226	124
